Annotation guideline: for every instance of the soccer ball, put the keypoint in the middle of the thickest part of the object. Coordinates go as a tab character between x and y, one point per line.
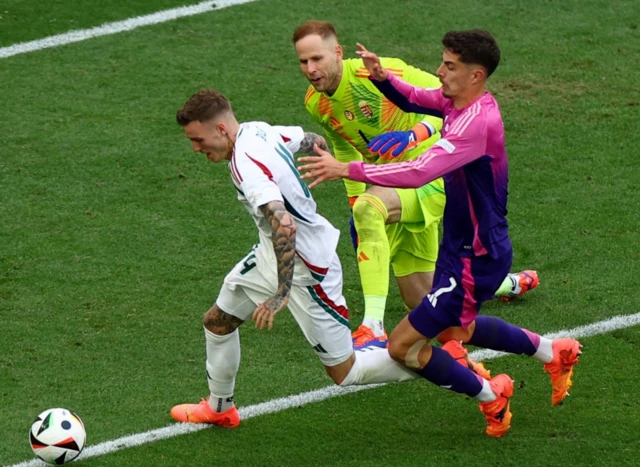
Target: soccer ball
57	436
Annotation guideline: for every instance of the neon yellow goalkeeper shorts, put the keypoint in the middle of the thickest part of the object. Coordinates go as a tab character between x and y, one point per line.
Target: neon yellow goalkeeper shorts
414	241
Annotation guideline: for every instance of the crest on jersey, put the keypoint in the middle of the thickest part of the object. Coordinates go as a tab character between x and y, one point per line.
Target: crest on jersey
366	109
349	115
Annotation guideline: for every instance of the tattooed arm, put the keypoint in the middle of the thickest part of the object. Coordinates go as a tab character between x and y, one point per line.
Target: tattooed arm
283	236
306	146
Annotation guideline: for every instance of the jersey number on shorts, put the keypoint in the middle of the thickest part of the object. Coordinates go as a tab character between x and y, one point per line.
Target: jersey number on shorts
433	297
249	263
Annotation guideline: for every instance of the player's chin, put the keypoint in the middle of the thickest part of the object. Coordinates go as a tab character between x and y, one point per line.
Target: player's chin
215	157
318	85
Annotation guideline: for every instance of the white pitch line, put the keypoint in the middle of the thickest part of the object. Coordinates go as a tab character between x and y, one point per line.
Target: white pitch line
283	403
116	27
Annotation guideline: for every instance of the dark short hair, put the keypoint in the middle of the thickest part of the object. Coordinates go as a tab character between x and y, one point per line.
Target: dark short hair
475	46
203	106
323	29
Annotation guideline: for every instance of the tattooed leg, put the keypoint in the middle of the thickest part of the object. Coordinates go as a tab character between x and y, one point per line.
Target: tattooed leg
218	322
223	357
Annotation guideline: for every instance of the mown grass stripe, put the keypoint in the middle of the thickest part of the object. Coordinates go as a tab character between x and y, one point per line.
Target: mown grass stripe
116	27
297	400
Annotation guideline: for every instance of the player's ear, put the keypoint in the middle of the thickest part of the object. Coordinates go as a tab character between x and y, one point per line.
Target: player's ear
339	52
479	74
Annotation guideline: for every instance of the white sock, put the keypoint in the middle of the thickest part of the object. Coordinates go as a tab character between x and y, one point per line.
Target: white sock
376	325
515	291
376	366
486	394
545	350
223	361
220	404
374	313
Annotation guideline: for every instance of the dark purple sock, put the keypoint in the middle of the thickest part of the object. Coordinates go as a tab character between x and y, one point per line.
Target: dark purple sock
444	371
493	333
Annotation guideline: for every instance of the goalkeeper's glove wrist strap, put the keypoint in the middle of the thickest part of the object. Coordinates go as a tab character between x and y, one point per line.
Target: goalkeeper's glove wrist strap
423	131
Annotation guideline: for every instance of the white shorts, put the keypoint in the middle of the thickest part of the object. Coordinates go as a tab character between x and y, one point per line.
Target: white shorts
319	308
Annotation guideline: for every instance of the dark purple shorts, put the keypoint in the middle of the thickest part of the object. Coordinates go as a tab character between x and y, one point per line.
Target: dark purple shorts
460	285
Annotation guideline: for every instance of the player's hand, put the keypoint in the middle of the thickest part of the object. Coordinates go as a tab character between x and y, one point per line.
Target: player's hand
372	62
309	139
392	144
321	143
322	168
265	313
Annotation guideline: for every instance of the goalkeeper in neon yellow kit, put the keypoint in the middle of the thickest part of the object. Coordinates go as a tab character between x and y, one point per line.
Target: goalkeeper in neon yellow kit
397	226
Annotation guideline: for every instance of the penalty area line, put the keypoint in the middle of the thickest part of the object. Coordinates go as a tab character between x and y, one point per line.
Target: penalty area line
116	27
298	400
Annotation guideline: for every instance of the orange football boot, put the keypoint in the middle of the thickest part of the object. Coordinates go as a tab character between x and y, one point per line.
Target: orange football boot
565	356
498	412
527	280
461	355
364	338
203	413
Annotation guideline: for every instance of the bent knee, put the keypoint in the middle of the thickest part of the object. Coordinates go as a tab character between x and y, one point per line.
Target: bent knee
337	378
338	373
408	354
370	209
220	322
397	351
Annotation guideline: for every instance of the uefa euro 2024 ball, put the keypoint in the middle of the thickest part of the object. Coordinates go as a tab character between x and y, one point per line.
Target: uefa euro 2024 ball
57	436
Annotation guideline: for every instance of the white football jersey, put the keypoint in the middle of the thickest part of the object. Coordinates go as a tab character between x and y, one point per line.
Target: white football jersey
263	169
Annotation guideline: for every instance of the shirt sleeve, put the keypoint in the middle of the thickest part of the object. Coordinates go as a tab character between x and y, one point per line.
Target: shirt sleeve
290	136
411	98
419	78
460	147
256	180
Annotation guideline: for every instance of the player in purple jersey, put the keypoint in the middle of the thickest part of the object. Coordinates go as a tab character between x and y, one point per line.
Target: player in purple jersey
476	251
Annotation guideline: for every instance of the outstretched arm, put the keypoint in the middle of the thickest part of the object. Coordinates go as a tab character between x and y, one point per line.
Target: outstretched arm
407	97
283	236
447	154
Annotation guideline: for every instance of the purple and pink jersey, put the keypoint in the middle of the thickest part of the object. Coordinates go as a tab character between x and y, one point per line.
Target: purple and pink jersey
475	255
472	158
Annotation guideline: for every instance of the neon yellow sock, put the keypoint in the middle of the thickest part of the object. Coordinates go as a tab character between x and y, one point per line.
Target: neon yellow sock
505	288
374	308
369	216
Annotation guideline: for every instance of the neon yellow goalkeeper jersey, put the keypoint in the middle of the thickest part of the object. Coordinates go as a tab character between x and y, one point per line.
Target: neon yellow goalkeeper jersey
357	112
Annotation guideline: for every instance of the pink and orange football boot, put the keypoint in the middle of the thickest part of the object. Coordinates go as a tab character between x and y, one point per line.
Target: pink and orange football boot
498	412
202	413
524	282
565	357
461	355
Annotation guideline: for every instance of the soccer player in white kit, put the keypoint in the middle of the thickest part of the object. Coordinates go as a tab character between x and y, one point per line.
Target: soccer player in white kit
294	265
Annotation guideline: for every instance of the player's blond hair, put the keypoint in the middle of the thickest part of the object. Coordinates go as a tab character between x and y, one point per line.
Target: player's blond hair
323	29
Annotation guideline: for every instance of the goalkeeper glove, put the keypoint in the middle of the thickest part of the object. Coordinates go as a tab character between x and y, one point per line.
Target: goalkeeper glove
394	143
